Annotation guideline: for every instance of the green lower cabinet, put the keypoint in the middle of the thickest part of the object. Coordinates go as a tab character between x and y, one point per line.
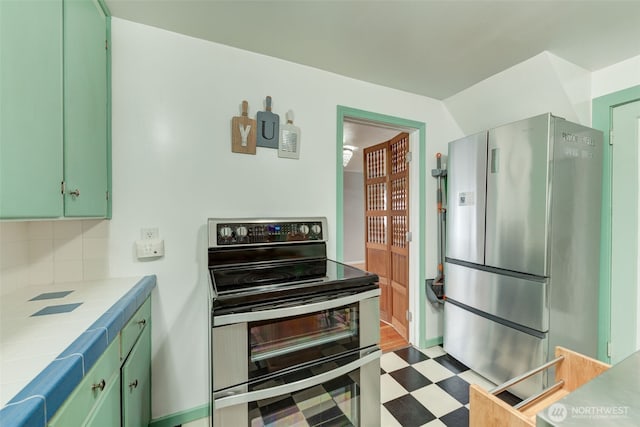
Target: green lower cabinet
130	334
136	383
117	389
107	411
91	390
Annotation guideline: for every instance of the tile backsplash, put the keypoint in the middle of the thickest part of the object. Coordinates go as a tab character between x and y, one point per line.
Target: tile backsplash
43	252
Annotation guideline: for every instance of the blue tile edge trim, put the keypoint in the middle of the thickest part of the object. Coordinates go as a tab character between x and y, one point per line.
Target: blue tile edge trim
28	413
53	385
39	400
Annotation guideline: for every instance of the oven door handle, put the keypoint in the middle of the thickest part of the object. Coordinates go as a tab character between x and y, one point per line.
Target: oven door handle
232	397
276	313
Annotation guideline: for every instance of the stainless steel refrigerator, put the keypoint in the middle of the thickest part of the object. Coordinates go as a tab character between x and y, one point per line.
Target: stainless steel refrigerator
523	245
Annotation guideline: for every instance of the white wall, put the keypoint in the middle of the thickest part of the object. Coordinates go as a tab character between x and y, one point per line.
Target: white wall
542	84
173	100
617	77
353	204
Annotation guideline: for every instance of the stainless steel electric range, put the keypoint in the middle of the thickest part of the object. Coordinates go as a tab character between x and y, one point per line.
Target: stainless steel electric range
294	335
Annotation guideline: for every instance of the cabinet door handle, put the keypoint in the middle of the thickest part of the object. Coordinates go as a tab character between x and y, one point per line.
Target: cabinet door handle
133	384
142	322
75	193
99	385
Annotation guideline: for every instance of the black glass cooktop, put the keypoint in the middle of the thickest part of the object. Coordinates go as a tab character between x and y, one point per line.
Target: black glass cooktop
254	277
236	278
241	288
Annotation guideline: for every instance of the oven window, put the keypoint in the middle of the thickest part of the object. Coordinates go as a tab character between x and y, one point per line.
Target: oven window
333	403
285	343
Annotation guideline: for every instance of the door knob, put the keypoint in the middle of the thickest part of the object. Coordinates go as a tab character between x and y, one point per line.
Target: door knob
75	193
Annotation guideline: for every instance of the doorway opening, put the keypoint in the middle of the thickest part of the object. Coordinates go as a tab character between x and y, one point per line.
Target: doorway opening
358	130
619	296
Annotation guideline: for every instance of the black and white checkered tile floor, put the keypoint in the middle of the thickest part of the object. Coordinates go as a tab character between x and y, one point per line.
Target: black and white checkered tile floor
419	388
425	388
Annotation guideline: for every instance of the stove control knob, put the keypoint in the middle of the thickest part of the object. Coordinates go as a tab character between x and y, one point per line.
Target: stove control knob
315	229
241	231
304	229
226	232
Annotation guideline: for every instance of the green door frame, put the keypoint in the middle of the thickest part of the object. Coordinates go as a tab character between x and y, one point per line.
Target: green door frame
353	113
602	114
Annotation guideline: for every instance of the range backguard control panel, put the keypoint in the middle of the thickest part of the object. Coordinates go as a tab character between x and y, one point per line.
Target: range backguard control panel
240	233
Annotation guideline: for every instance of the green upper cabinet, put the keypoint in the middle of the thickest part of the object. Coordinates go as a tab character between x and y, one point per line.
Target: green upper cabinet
54	109
85	109
30	108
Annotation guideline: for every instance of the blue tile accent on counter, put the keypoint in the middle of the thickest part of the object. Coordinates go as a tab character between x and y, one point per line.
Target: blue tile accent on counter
57	309
28	413
50	295
38	401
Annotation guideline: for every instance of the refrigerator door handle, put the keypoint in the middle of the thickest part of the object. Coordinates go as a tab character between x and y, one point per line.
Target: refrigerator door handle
495	160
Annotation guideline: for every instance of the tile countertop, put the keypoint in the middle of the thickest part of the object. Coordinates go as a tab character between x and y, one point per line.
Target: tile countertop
44	356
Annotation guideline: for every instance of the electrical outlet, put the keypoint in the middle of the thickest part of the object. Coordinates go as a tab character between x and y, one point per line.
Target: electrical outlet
149	248
149	233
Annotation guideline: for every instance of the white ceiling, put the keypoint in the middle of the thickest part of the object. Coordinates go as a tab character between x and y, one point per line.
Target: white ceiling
434	48
360	135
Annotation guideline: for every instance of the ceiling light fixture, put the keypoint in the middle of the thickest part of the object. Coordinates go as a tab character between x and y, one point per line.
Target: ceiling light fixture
347	153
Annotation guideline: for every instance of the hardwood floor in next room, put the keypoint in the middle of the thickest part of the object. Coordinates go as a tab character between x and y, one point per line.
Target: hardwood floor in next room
390	340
